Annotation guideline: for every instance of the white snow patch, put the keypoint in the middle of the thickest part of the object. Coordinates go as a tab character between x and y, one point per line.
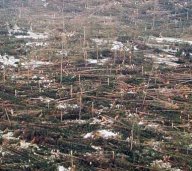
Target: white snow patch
170	40
14	30
45	3
8	60
26	145
63	52
131	92
153	125
61	168
29	34
119	46
160	164
77	121
98	62
32	35
34	64
141	123
44	99
169	60
9	136
101	133
67	106
100	42
41	80
96	147
36	44
14	77
136	48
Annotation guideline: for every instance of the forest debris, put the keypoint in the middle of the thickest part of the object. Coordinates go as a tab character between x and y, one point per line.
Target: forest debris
102	121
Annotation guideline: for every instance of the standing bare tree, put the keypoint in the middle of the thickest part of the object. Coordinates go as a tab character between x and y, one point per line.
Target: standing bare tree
61	67
62	54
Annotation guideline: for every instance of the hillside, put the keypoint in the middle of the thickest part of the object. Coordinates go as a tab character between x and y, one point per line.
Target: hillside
95	85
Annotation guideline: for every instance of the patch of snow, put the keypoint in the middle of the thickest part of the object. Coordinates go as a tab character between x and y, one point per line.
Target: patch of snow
32	35
98	62
170	40
45	3
45	99
118	106
133	115
102	134
41	80
118	46
68	34
15	30
131	92
61	168
153	125
168	138
63	52
117	3
29	34
8	60
9	136
99	111
71	34
14	77
163	47
169	60
26	145
173	51
34	64
77	121
100	42
160	164
96	147
67	106
136	48
35	77
36	44
141	123
92	61
88	135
